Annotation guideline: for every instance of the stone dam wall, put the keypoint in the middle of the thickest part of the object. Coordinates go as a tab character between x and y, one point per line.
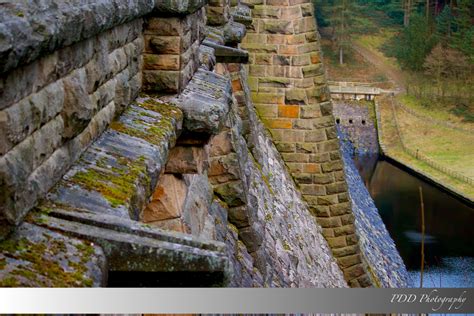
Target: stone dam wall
175	143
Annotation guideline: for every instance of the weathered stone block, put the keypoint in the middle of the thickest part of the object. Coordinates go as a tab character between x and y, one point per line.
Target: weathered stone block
78	108
231	193
336	242
349	261
314	136
313	189
340	209
277	27
187	160
344	230
161	81
354	272
167	201
339	187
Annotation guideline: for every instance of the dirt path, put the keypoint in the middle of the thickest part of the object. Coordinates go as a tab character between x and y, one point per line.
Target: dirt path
378	61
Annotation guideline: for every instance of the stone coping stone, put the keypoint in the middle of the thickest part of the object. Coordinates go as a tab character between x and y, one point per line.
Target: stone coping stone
37	257
129	251
205	102
179	7
133	227
29	29
242	14
118	172
234	32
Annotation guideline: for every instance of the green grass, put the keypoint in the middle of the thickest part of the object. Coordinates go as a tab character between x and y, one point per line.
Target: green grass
442	111
447	147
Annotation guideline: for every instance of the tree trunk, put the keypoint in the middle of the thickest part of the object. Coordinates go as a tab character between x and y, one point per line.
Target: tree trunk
427	9
341	56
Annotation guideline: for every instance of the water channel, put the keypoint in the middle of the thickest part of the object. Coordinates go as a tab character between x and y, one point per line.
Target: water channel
449	222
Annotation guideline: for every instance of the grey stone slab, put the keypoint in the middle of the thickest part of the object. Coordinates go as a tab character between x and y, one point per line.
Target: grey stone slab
133	227
37	257
32	29
178	7
130	252
205	102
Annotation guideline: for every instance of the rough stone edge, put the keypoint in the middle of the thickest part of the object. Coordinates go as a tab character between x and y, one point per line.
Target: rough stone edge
42	28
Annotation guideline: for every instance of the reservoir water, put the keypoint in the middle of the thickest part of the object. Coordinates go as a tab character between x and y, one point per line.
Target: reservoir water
449	224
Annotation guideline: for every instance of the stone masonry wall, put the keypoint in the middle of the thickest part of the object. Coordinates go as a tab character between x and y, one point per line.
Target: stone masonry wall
184	177
54	107
172	51
274	240
289	90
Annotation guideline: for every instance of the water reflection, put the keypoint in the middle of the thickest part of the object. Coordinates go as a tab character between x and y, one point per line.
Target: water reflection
449	239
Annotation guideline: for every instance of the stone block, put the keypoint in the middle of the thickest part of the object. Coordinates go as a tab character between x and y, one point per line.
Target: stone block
277	26
231	193
323	179
162	44
78	108
336	242
314	136
308	125
312	168
23	118
344	230
340	209
161	81
318	157
167	200
295	157
198	203
187	160
313	189
329	222
327	200
332	166
171	26
303	178
279	123
267	110
251	237
346	251
312	70
338	187
288	111
310	111
285	147
37	257
352	239
221	144
239	216
349	261
354	272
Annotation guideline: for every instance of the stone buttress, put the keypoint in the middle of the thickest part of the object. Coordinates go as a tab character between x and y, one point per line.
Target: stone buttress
289	90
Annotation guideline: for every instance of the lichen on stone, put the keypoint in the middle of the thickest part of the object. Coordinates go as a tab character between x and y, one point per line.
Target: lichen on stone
116	186
39	264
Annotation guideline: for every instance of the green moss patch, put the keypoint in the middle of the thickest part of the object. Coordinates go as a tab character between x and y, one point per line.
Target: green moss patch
44	264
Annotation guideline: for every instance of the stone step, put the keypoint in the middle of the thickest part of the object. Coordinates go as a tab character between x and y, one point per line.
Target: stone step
133	227
143	252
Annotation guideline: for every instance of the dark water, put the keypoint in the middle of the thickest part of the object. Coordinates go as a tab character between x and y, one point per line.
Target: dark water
449	224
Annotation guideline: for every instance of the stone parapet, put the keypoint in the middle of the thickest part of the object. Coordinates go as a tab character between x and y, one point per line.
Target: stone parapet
52	109
34	29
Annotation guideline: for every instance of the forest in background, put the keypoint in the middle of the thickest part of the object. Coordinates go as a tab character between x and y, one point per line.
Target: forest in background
431	40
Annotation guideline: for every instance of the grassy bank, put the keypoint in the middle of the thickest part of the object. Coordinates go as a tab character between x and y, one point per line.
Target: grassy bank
448	147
